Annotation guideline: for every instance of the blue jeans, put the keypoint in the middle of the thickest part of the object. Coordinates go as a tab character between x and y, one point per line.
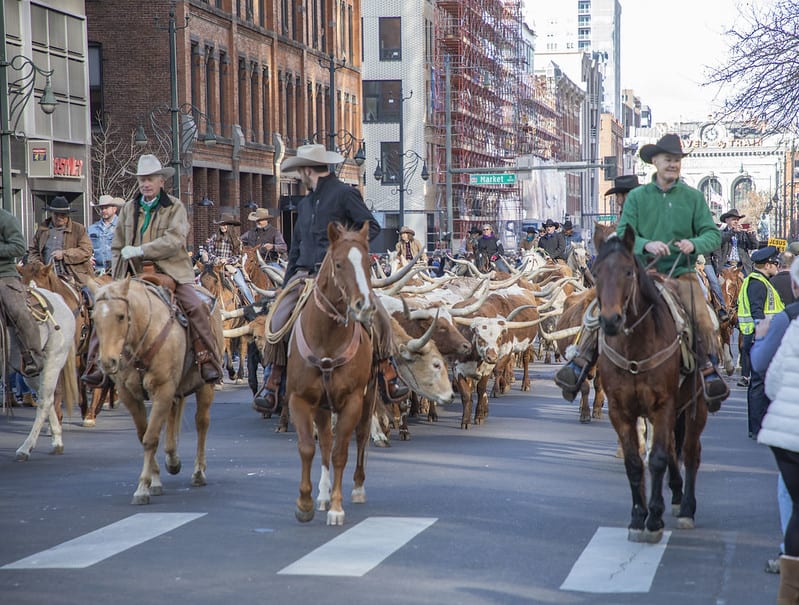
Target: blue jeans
244	288
713	280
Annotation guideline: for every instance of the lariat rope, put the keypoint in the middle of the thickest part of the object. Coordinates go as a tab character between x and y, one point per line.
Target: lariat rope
307	287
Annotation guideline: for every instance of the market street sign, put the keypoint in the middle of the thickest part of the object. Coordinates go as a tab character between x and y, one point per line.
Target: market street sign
492	179
606	218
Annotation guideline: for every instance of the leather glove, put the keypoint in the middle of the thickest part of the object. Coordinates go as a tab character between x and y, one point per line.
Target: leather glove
129	252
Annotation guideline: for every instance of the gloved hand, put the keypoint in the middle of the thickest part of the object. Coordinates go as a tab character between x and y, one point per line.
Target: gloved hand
129	252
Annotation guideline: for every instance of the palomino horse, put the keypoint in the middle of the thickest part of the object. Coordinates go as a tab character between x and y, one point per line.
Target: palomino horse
640	363
214	279
56	330
330	371
730	279
147	353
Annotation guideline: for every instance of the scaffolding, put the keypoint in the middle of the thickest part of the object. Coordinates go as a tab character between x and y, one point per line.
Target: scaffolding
483	42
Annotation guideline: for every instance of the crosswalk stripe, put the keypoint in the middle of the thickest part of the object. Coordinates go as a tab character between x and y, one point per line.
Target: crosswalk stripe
610	563
361	548
105	542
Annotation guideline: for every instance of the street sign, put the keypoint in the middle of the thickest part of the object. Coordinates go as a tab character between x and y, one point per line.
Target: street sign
492	179
606	218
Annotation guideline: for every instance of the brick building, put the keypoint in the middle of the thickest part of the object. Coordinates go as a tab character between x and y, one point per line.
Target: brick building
256	74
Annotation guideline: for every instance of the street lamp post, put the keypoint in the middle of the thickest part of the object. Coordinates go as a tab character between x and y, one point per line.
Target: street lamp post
11	108
332	66
405	173
344	142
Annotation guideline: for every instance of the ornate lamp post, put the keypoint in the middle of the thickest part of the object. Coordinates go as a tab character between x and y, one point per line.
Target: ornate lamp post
174	141
333	65
14	97
403	174
344	142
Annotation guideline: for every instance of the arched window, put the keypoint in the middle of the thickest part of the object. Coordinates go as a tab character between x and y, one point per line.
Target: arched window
741	190
711	189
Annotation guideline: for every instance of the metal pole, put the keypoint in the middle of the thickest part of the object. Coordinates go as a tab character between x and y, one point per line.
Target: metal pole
5	146
174	109
789	226
401	162
448	149
332	67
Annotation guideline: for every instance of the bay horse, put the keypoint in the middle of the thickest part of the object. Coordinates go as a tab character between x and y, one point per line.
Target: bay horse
330	370
640	364
148	355
56	329
214	279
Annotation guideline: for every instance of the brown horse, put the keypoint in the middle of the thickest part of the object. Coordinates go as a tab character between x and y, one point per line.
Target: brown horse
640	365
330	370
730	279
214	279
148	354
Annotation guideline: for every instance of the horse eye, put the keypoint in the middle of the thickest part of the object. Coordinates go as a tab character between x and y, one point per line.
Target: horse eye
120	318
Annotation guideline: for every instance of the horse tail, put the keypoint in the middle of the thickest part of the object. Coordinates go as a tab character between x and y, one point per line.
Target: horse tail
69	379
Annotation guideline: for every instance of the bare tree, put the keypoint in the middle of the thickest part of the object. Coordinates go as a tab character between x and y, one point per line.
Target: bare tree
759	78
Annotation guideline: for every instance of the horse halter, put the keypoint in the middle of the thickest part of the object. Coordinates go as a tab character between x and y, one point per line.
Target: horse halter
326	306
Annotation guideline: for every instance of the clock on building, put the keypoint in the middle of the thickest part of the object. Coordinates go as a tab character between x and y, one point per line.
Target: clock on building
710	133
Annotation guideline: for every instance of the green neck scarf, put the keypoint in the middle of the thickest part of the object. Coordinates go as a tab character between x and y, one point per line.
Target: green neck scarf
148	212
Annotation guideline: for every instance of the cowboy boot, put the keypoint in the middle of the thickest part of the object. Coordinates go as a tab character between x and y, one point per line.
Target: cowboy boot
571	375
390	383
714	387
28	334
93	376
271	389
209	368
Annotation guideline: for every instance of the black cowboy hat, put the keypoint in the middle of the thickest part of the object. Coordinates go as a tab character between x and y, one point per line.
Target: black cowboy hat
624	184
531	229
550	223
475	230
733	213
567	225
668	143
59	205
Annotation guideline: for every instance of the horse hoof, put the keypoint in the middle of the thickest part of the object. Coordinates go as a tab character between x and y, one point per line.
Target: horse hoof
405	436
156	490
382	443
282	429
685	523
335	517
303	516
585	419
22	457
58	450
652	537
173	468
675	510
635	535
358	495
322	505
198	479
89	423
140	499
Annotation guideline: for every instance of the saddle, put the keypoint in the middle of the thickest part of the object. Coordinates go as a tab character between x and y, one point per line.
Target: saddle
39	306
164	286
162	280
683	325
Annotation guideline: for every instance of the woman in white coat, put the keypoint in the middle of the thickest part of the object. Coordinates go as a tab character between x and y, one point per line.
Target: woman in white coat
780	431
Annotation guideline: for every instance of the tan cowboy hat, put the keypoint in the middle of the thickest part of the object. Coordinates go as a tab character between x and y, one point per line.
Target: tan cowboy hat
228	219
151	165
261	214
407	229
310	155
109	200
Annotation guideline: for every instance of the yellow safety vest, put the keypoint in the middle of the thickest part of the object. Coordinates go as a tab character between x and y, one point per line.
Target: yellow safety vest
773	302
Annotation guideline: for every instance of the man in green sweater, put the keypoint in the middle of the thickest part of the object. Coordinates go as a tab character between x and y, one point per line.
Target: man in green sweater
672	225
12	296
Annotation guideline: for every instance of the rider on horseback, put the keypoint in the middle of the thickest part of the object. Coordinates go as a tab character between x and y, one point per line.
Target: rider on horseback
666	214
329	200
152	229
12	295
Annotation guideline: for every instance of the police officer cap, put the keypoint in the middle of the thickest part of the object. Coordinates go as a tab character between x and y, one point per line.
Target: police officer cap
769	253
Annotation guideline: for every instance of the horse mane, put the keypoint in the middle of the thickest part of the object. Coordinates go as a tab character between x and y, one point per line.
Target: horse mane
646	284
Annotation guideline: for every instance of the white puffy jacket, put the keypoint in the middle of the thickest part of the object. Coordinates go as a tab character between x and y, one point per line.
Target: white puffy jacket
781	424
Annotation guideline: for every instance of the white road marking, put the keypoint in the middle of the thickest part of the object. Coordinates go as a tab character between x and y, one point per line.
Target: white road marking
105	542
361	548
610	563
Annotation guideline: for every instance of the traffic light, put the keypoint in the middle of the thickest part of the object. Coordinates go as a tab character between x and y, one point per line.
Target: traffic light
611	167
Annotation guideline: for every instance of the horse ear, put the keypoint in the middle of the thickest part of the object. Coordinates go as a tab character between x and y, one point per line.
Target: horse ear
125	286
629	237
599	236
333	232
364	232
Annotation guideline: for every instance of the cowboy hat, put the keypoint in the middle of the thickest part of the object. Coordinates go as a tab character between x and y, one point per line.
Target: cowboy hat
150	165
407	229
109	200
668	143
733	213
228	219
567	224
550	223
59	205
531	229
261	214
310	155
624	184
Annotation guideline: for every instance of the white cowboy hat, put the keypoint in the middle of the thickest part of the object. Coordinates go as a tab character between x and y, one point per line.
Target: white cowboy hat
310	155
109	200
261	214
150	165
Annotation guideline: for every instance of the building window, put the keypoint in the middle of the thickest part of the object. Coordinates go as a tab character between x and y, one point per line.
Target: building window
266	120
223	92
96	84
390	163
382	100
583	6
390	36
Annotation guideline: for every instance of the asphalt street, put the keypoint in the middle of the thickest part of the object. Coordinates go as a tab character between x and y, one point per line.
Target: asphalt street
527	508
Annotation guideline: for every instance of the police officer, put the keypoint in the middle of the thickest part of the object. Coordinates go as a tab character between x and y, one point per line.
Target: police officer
758	298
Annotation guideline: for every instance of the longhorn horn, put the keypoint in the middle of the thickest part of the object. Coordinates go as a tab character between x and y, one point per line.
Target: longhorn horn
415	344
559	334
237	332
401	283
232	314
518	310
469	309
520	325
395	277
270	294
507	283
406	311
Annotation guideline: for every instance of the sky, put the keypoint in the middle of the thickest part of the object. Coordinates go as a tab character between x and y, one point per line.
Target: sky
665	48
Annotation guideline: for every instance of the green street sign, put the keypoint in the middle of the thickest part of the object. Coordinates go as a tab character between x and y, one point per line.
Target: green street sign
609	218
493	179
